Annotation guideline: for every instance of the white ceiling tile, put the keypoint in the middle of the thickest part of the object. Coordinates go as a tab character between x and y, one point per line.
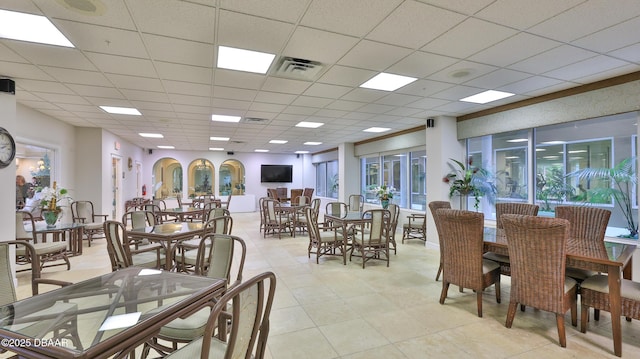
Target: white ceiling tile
462	6
428	103
286	10
420	64
181	19
311	101
497	78
77	76
230	104
186	73
187	88
115	14
274	97
106	40
43	86
122	65
522	14
151	96
453	73
266	107
345	105
424	87
239	79
413	25
629	53
364	95
552	59
179	51
325	90
375	108
277	84
327	47
234	93
457	92
586	18
529	84
514	49
397	99
469	37
346	76
346	16
51	55
372	55
96	91
607	74
252	32
585	68
612	38
135	83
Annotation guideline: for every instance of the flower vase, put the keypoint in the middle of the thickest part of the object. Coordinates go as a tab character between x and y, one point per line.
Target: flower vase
384	203
50	217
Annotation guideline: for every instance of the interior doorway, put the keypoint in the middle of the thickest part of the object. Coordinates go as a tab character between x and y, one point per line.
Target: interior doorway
116	173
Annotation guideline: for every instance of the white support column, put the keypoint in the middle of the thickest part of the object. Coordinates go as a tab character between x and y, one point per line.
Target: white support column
441	145
347	166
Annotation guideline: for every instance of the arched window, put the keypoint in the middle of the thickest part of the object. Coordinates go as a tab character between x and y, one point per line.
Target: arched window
201	177
167	178
231	178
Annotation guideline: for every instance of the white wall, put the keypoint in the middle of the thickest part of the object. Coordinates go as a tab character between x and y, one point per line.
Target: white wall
303	170
8	174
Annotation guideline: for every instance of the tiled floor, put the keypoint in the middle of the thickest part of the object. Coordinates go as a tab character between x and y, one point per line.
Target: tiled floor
329	310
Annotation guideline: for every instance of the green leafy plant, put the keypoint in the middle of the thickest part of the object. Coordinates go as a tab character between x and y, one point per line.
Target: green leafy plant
553	187
623	180
470	180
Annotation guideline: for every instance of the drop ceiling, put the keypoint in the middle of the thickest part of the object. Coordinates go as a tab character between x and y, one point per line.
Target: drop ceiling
159	56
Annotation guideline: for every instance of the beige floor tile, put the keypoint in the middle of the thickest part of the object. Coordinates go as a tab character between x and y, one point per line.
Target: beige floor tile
330	310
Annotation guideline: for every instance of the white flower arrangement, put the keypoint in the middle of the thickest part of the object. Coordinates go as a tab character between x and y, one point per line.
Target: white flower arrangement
50	196
384	192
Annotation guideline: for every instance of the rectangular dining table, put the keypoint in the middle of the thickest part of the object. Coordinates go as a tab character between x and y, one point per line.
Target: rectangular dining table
168	235
113	313
617	260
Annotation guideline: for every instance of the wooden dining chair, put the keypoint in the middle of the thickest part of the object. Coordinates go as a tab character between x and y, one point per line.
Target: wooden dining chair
84	213
463	265
371	238
586	235
249	304
225	256
538	251
323	240
63	325
45	252
434	206
509	208
394	215
122	255
277	220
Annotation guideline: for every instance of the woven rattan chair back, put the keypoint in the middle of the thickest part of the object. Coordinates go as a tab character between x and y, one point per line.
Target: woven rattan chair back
586	230
462	237
433	207
514	208
214	212
537	249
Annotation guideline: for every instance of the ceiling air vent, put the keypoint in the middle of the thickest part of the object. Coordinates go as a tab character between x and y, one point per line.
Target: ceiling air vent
298	68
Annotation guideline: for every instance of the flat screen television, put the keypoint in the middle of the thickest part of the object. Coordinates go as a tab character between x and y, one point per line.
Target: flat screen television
276	173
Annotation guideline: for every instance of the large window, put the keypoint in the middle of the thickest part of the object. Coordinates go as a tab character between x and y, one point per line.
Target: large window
404	172
571	166
327	181
504	157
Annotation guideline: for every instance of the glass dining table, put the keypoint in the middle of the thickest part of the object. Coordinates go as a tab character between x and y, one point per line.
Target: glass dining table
168	235
106	316
616	260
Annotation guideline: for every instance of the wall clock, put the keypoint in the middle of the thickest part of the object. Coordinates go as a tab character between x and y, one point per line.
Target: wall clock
7	148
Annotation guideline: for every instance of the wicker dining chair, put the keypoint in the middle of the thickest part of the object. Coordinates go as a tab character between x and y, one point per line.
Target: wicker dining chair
433	207
537	249
277	220
189	257
463	265
122	255
324	240
83	212
356	203
509	208
586	235
45	252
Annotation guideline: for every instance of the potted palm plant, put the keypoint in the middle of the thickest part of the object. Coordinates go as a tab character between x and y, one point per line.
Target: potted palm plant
623	179
469	180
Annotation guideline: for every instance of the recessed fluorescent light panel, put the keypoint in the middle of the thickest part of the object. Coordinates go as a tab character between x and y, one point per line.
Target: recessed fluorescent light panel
216	149
261	150
387	82
219	138
487	96
279	142
121	110
376	129
167	147
309	124
151	135
311	143
516	140
302	152
244	60
224	118
31	28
